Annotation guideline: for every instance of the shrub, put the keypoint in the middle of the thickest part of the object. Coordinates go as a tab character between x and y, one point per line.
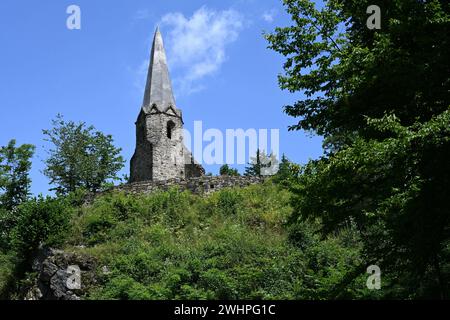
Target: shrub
8	220
122	288
97	227
7	268
41	221
228	202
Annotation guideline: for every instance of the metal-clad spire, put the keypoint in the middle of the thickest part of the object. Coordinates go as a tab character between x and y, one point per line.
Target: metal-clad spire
158	90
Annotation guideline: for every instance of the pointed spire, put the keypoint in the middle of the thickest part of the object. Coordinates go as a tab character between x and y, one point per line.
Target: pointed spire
158	90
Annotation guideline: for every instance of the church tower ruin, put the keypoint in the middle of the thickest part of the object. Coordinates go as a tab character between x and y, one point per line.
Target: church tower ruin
160	151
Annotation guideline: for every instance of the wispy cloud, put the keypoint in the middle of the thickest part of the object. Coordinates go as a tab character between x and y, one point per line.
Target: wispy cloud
140	75
196	45
142	14
269	16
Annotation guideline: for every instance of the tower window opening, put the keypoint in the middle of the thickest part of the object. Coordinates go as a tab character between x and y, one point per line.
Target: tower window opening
170	128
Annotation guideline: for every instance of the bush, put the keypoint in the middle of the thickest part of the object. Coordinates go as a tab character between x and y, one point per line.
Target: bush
42	221
122	288
7	268
97	227
228	202
8	220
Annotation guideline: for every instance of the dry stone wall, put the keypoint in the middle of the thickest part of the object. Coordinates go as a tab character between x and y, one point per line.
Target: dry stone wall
197	185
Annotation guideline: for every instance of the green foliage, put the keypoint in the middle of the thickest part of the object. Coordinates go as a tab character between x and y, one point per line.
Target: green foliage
381	99
36	222
228	202
225	170
254	168
230	245
77	198
123	288
82	157
393	190
15	166
42	221
15	183
288	172
349	72
7	276
118	210
8	220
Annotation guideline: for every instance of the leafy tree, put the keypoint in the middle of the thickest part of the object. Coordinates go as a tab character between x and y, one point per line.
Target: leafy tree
287	172
15	183
36	222
15	165
81	158
225	170
381	99
349	72
393	190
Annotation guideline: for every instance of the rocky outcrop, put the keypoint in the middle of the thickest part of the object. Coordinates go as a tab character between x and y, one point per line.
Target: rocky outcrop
61	275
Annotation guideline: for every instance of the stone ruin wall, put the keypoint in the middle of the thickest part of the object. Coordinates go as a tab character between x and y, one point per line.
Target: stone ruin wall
197	185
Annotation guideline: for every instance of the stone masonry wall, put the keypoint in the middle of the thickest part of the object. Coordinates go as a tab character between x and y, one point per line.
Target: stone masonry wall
197	185
141	166
168	156
159	157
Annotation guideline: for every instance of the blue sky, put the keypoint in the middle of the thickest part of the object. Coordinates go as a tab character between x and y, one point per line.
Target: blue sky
228	80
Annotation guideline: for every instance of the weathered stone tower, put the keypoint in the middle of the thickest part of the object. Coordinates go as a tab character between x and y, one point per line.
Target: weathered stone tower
160	152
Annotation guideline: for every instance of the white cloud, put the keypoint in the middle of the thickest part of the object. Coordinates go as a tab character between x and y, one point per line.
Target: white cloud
196	45
141	75
269	16
142	14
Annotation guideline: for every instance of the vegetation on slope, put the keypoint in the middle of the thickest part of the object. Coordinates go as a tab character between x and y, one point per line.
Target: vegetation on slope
232	244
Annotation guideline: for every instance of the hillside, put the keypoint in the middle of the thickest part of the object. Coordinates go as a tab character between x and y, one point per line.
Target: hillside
232	244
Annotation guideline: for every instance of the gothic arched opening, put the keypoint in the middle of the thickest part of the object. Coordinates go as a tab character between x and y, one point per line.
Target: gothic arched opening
170	129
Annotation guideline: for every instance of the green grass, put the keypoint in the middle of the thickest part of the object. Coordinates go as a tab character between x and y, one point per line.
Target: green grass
232	244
